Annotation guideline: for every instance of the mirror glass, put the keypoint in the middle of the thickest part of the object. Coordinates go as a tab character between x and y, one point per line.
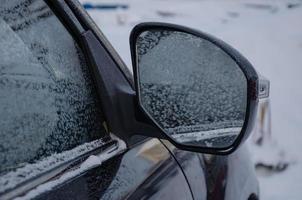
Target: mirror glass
194	91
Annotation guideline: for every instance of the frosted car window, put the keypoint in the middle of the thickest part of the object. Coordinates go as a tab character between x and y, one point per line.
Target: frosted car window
47	100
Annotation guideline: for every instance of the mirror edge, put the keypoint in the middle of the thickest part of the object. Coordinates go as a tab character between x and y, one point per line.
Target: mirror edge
246	67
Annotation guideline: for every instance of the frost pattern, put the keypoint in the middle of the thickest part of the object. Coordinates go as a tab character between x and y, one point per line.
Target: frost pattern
91	162
48	101
190	85
12	179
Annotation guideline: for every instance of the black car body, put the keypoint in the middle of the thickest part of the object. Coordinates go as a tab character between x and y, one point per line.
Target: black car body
47	50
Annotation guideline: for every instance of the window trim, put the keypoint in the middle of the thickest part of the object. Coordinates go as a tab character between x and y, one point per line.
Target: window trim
89	23
82	17
114	146
71	13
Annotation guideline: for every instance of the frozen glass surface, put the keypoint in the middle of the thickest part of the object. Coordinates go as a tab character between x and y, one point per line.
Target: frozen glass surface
191	88
48	103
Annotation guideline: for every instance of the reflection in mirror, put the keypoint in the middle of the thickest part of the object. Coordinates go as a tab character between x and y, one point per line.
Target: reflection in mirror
192	89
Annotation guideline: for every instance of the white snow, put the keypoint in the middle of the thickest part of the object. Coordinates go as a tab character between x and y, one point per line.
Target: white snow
13	178
91	162
205	135
269	34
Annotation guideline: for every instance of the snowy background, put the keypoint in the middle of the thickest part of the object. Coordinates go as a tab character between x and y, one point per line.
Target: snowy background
269	34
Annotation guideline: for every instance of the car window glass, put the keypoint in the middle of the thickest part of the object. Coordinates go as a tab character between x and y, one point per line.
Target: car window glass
48	103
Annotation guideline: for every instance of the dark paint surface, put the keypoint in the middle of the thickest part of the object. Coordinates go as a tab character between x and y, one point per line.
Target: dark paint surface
150	171
194	169
215	177
147	171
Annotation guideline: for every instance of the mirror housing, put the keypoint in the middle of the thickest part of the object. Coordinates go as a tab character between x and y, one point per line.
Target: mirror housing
250	91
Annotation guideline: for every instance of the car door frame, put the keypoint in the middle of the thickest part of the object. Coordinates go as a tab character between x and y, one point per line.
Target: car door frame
76	20
88	24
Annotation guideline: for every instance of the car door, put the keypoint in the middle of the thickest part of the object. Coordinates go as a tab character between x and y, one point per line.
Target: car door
55	143
146	171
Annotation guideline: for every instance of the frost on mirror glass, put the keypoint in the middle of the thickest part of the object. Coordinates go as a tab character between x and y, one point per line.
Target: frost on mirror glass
191	88
48	103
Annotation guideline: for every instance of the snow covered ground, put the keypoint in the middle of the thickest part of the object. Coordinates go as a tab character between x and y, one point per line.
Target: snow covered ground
269	34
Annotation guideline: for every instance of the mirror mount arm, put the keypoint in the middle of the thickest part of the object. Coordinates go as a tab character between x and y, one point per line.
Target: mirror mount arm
118	99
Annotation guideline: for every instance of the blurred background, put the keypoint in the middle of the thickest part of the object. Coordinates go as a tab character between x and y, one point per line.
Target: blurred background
269	34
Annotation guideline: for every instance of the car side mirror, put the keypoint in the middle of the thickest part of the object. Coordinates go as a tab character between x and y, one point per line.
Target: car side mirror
200	92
